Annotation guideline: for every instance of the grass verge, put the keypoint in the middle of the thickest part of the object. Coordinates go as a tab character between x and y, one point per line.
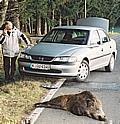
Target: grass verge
17	99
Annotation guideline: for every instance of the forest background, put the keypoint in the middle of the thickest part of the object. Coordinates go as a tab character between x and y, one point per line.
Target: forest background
37	17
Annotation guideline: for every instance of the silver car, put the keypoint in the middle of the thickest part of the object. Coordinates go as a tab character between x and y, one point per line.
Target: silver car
70	51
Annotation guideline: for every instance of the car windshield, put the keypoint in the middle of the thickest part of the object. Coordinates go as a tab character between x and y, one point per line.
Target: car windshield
67	36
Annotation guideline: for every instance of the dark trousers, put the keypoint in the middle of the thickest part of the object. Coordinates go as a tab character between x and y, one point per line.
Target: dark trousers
9	64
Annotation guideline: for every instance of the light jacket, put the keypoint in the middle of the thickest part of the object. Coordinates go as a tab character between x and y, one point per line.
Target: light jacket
10	42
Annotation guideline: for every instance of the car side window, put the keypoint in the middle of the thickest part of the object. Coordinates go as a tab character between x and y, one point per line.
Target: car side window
95	38
104	38
50	36
59	36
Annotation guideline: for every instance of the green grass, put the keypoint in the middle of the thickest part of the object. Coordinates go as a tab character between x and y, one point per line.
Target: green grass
17	99
113	33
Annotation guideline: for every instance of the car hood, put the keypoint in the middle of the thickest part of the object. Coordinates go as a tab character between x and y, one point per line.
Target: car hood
52	49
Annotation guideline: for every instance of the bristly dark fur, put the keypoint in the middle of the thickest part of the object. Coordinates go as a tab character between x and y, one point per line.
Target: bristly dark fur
84	103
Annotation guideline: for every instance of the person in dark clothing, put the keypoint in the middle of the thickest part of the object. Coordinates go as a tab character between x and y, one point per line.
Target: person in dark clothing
9	36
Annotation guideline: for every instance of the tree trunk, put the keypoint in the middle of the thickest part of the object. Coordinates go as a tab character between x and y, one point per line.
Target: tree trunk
45	26
68	22
42	26
3	9
25	27
29	26
71	22
53	14
53	18
38	25
60	20
32	26
13	13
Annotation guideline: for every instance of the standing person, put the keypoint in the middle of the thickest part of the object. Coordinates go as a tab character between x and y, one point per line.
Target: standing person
9	36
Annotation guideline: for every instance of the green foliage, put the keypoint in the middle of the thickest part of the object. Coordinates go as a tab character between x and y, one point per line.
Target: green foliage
69	9
104	8
24	10
73	8
31	8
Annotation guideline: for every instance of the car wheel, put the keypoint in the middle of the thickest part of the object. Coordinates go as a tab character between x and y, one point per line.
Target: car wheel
83	71
110	66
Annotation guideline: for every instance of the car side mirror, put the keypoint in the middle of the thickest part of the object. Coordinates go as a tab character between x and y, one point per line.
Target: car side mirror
37	41
105	40
99	42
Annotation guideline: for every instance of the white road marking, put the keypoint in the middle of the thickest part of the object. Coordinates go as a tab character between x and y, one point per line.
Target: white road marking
36	113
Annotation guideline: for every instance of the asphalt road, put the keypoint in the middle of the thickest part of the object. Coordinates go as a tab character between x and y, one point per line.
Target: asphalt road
104	85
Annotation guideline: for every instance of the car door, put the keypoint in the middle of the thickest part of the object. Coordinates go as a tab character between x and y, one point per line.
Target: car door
96	51
106	47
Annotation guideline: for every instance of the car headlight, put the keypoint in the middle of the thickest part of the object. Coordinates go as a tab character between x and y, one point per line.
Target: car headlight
25	56
65	59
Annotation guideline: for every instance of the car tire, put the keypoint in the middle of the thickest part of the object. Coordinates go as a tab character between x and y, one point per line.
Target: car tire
110	66
83	71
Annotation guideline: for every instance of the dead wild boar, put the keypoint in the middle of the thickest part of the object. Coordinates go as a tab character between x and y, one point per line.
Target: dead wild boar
84	103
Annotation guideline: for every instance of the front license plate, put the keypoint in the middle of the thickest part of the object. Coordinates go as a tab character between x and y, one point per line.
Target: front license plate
40	66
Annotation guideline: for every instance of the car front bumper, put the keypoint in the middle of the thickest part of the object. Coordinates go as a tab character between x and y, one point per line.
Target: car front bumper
56	69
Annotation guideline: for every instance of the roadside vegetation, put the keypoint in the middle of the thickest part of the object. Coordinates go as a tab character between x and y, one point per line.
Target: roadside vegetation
17	99
113	34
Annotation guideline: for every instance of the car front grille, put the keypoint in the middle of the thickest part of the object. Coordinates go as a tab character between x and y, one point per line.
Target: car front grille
42	58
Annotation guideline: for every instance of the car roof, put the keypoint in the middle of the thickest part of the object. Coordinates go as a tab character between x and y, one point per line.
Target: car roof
77	27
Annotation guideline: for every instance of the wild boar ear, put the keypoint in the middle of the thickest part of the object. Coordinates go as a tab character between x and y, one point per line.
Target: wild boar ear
90	102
